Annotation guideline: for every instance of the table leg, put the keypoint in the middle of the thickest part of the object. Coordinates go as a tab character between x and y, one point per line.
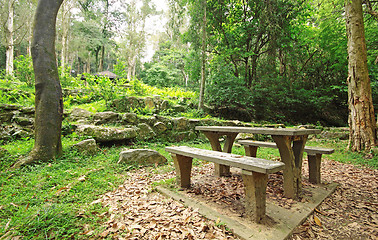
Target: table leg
291	152
221	170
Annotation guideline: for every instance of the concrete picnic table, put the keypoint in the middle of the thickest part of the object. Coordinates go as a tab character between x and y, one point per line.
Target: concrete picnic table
290	143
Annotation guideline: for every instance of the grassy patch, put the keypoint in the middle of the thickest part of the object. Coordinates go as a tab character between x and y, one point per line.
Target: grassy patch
52	200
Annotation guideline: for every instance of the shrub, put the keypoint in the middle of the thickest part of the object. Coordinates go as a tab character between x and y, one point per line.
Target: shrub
24	69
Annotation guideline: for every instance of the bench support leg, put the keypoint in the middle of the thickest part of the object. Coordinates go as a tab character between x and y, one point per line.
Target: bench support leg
314	162
250	151
255	195
183	166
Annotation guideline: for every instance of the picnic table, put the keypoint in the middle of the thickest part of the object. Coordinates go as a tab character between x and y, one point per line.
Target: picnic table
290	143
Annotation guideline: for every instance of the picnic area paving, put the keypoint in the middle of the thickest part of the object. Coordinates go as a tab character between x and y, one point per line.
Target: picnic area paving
136	211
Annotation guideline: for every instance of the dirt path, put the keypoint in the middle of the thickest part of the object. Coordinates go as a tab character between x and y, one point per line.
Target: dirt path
136	212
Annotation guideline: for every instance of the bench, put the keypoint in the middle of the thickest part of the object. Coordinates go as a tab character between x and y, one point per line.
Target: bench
314	156
254	173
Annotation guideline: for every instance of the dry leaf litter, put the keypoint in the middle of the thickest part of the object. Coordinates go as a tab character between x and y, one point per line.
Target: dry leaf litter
136	212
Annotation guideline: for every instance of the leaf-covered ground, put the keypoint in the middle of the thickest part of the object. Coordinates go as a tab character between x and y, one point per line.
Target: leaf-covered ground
137	212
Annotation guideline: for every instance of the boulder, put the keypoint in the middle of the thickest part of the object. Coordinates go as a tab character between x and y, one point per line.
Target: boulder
160	127
24	121
149	120
8	107
145	132
129	118
79	114
4	134
27	110
341	133
142	157
149	102
105	117
208	122
106	134
6	117
164	105
178	108
180	124
86	146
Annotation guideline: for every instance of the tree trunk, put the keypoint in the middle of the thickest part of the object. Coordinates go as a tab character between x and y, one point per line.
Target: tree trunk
362	126
10	41
101	64
65	27
48	91
203	62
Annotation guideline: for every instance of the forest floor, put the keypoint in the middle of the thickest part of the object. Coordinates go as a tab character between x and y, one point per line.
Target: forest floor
138	212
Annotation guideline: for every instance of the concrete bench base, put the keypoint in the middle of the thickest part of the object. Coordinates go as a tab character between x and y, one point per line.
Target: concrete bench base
254	173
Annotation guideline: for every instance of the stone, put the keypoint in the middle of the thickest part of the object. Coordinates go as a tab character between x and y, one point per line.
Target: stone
8	107
149	102
334	135
208	122
129	118
4	134
86	146
79	113
106	134
27	110
141	156
164	105
160	127
6	117
24	121
149	120
178	108
145	132
105	117
180	124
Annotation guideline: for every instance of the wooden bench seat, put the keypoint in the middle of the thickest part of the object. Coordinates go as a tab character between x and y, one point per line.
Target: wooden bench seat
314	156
254	173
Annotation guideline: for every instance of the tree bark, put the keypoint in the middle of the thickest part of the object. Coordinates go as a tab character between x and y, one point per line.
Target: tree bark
66	15
48	91
362	126
10	42
203	62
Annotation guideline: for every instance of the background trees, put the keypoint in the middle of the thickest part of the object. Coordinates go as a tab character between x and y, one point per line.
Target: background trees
275	60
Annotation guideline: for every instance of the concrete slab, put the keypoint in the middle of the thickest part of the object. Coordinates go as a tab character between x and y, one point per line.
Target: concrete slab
282	221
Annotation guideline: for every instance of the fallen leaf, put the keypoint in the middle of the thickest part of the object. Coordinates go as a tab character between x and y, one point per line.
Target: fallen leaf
317	221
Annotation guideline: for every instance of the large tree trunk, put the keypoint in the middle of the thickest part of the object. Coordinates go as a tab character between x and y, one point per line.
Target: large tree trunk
203	62
10	41
48	92
362	126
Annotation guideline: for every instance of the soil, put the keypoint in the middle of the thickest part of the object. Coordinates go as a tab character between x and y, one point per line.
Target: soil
138	212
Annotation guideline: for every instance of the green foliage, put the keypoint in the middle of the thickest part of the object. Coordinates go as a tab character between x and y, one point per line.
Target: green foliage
168	67
24	69
14	93
66	80
120	68
226	90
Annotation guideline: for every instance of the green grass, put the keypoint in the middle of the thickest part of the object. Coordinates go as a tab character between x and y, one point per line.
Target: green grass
51	200
48	200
